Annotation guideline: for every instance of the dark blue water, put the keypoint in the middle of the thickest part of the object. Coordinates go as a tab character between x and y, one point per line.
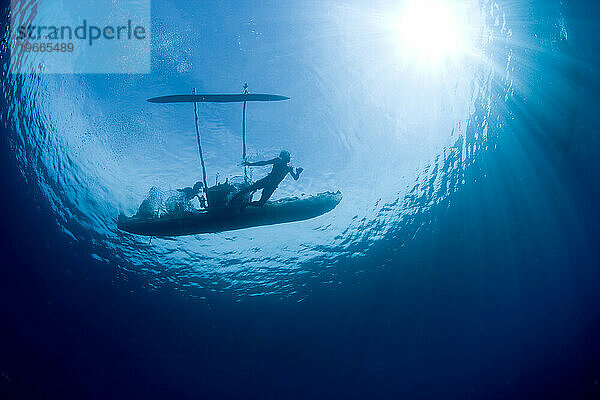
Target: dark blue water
461	264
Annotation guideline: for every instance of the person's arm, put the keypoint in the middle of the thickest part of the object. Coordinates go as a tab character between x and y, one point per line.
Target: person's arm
296	174
260	163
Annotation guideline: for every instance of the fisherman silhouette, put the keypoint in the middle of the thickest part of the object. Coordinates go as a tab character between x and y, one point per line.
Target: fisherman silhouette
189	193
269	183
181	202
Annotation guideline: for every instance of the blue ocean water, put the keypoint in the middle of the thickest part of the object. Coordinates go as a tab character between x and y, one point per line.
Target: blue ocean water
461	263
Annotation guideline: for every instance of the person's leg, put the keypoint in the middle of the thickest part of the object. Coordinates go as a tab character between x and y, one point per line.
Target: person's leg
267	192
255	186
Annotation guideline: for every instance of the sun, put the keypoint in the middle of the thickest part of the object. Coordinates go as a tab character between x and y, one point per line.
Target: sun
428	31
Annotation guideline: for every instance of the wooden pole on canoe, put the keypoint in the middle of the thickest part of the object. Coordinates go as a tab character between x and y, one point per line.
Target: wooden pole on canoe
244	134
200	145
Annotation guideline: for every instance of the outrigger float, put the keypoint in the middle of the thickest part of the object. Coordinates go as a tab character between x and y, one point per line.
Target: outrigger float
218	215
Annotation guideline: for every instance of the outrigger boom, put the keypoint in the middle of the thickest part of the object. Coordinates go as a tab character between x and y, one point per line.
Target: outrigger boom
244	97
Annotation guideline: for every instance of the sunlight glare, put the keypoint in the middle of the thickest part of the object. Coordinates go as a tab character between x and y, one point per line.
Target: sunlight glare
429	31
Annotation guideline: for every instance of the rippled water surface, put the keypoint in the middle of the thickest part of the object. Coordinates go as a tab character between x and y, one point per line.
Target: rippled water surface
393	134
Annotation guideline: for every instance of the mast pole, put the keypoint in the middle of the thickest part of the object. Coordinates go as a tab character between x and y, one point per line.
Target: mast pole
244	133
200	144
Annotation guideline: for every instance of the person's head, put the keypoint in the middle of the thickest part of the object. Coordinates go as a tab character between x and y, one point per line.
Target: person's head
285	156
197	187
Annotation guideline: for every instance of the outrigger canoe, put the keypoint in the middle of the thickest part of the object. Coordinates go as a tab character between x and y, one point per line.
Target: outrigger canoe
219	216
